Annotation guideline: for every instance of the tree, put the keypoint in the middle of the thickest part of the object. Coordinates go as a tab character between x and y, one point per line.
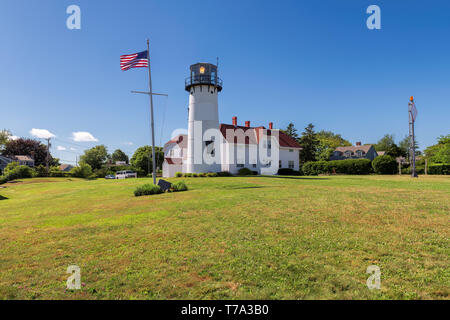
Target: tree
395	151
328	142
404	145
4	138
27	147
119	155
440	152
309	143
291	131
385	143
95	157
142	159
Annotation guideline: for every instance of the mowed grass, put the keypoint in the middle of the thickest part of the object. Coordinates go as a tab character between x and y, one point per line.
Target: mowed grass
227	238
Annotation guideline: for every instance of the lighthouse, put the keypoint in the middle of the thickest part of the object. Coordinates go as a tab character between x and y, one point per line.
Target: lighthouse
203	86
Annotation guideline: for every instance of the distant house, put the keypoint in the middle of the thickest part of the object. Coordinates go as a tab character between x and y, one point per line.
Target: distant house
24	161
381	153
354	152
66	167
4	162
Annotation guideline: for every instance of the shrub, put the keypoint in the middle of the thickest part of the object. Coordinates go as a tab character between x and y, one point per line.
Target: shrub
83	171
194	175
178	174
10	167
224	174
255	173
440	168
188	175
385	165
179	186
212	174
288	172
203	174
56	172
3	179
350	166
245	172
147	189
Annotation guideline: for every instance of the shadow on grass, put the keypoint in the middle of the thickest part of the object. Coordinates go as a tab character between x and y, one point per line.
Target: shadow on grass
3	198
293	177
242	187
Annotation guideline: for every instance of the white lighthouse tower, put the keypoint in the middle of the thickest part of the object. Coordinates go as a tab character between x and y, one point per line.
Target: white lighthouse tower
203	86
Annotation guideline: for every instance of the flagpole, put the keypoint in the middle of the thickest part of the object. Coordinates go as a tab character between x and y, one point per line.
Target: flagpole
151	112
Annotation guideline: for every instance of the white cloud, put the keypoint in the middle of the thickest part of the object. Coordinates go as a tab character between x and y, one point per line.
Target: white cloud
82	136
73	149
41	133
128	143
13	137
61	148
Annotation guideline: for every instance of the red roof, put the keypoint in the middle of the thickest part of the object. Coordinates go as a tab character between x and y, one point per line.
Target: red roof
254	136
251	137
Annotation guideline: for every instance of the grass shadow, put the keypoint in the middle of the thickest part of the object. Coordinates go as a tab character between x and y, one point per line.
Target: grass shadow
3	198
242	187
293	177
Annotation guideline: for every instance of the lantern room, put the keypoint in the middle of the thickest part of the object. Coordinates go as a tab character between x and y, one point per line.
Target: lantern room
203	74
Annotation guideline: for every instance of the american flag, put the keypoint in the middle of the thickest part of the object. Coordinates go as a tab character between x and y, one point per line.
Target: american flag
135	60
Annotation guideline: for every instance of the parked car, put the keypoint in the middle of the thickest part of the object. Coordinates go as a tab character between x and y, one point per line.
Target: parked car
110	176
126	174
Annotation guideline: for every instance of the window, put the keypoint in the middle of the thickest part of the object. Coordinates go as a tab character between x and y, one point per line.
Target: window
280	164
254	165
291	150
291	164
240	165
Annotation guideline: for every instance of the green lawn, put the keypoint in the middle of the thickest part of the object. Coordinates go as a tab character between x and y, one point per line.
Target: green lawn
227	238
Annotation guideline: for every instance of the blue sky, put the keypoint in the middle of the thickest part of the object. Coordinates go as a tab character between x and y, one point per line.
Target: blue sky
281	61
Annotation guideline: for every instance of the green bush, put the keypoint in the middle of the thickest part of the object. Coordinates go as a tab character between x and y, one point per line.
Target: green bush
224	174
83	171
350	166
10	167
194	175
212	174
439	168
245	172
3	179
56	172
179	186
255	173
14	171
385	165
147	189
203	174
187	175
288	172
178	174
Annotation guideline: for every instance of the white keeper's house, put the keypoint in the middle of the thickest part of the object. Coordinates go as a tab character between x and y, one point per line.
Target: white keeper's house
211	146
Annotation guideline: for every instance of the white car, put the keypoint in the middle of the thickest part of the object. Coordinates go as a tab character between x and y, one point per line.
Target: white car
126	174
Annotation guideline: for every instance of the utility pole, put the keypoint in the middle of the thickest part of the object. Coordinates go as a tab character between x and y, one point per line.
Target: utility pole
48	155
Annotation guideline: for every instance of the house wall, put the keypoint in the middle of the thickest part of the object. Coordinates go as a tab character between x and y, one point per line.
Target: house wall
286	156
169	170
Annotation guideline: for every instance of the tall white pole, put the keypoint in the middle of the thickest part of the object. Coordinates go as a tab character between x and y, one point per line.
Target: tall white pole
151	112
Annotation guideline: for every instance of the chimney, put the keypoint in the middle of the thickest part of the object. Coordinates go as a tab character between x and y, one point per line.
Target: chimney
358	144
247	124
270	125
234	121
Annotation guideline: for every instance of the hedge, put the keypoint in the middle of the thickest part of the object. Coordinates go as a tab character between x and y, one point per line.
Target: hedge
440	168
245	172
288	172
385	165
351	166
